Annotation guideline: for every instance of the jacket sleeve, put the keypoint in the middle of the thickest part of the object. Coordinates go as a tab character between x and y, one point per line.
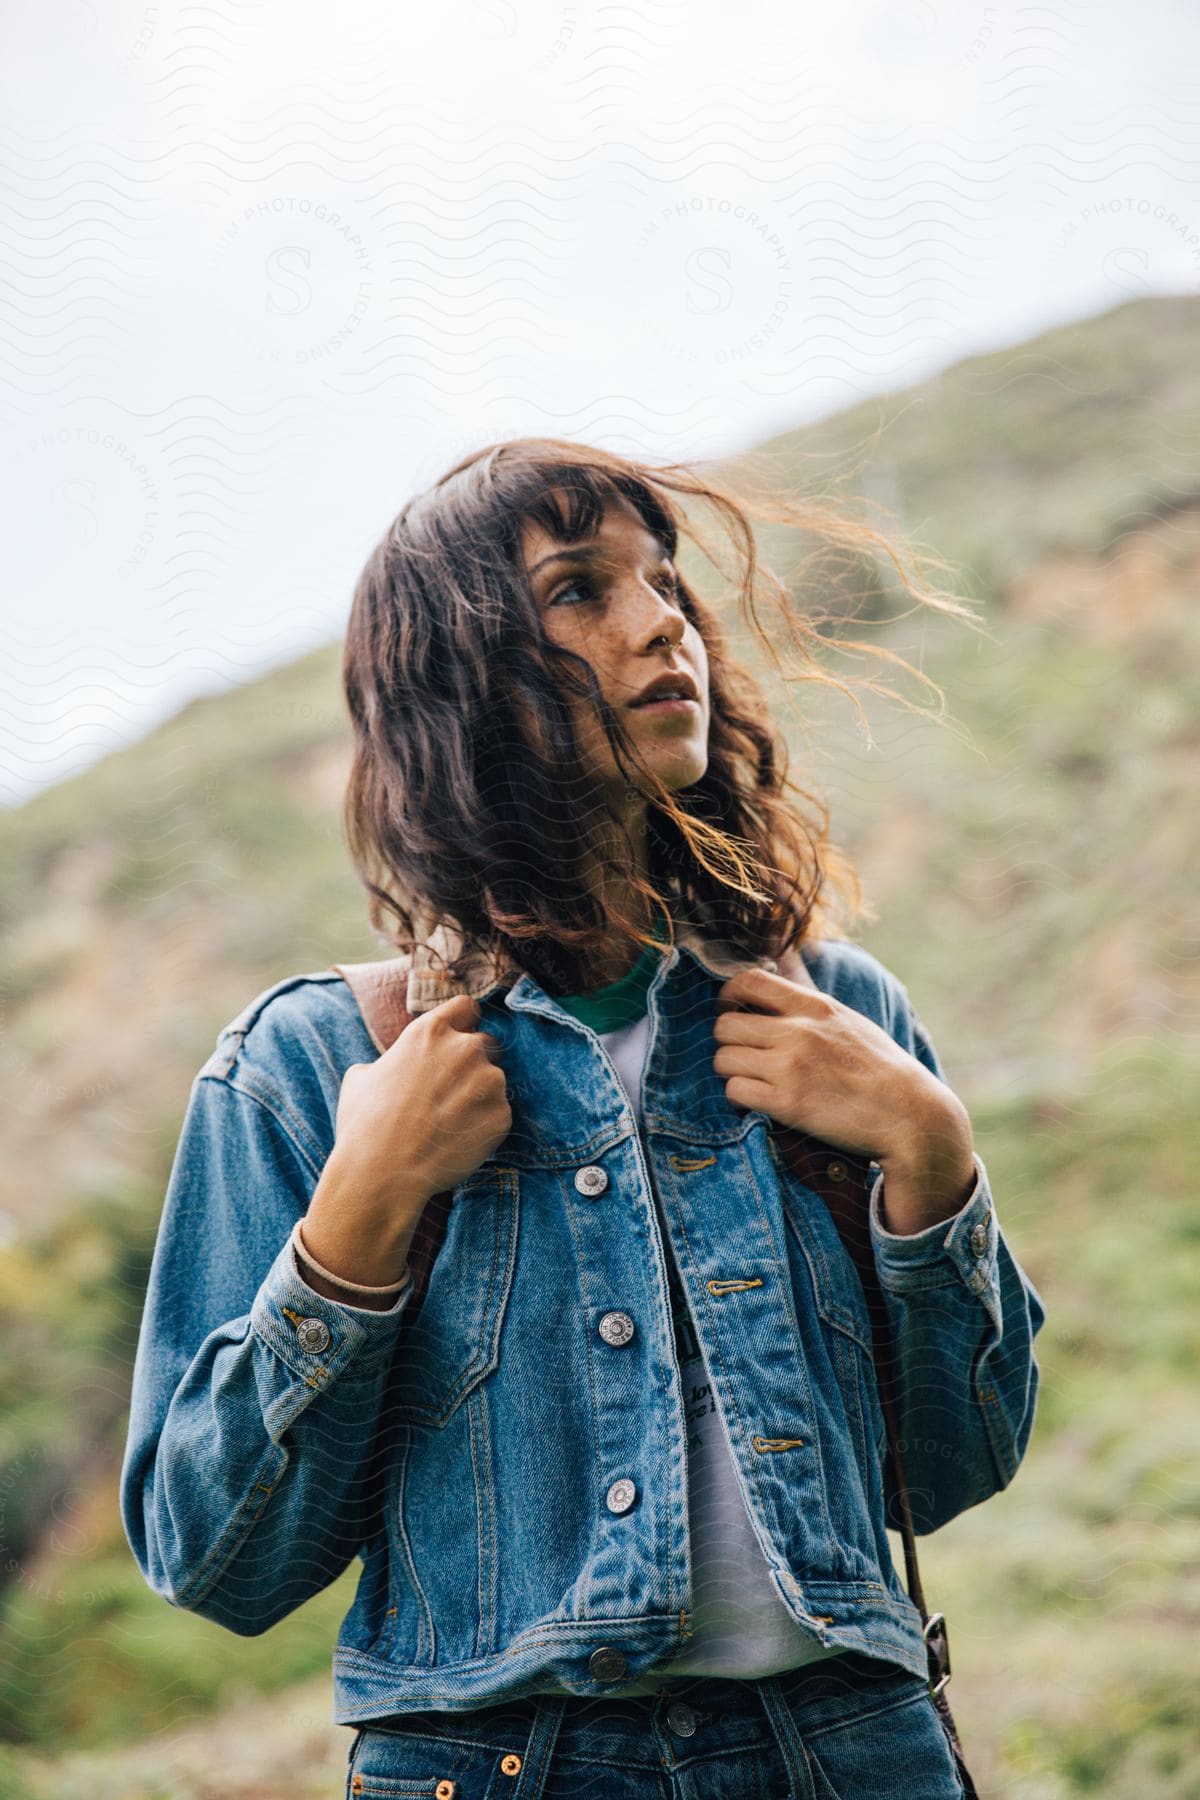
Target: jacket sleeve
244	1488
963	1316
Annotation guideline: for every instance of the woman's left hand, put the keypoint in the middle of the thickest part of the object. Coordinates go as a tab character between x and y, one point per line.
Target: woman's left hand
817	1066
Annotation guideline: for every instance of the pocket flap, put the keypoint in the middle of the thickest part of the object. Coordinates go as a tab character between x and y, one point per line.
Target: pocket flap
453	1340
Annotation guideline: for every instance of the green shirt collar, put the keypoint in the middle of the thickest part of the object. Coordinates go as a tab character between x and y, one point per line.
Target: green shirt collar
619	1002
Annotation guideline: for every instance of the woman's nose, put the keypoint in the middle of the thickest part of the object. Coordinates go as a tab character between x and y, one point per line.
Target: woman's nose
650	614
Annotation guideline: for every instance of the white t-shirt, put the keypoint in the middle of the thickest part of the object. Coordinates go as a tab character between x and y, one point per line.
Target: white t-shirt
742	1629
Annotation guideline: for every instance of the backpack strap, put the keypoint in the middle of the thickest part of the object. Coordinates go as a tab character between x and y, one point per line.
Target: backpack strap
844	1183
380	990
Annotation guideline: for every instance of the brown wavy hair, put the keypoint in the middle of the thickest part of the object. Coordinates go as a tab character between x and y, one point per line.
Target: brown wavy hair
463	801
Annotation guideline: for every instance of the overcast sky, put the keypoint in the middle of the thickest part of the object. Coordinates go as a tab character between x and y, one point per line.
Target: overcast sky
269	269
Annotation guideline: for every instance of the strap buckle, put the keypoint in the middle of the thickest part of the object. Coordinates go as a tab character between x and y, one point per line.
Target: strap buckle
937	1651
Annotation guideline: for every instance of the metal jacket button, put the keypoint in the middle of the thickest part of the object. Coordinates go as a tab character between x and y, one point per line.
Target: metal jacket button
313	1334
607	1664
979	1239
616	1328
836	1171
681	1719
591	1181
620	1496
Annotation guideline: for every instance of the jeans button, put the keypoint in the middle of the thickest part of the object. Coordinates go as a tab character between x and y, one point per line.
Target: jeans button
620	1496
591	1181
616	1328
979	1239
681	1719
607	1664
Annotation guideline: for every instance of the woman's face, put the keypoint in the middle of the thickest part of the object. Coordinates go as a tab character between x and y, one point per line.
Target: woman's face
611	599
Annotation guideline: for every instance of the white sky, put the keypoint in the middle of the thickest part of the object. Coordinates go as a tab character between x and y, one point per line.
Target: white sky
268	269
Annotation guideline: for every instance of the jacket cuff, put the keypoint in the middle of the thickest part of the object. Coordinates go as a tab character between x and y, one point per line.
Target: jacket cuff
318	1338
959	1248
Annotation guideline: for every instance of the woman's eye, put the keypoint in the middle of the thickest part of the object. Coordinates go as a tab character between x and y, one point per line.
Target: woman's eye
576	587
667	584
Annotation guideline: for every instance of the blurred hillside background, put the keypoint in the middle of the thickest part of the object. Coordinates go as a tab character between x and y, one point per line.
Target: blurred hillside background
1032	863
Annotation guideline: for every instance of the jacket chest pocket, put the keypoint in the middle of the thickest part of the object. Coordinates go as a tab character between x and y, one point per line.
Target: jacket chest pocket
451	1340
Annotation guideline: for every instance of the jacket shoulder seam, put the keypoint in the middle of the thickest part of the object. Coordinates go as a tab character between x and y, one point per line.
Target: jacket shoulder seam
274	1102
232	1036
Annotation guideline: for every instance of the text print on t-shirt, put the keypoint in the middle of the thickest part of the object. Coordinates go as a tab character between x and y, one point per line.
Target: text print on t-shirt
698	1401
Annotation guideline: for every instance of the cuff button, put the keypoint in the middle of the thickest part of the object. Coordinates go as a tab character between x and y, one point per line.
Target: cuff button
313	1334
607	1664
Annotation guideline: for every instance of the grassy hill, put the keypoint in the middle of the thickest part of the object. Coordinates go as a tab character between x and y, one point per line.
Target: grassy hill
1030	864
1062	445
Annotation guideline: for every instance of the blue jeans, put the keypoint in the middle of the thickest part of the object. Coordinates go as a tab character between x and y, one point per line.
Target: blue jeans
854	1728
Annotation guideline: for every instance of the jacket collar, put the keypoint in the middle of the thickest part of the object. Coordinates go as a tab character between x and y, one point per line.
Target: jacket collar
429	984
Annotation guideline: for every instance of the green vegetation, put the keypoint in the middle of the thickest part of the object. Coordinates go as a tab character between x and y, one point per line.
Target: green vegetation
1061	444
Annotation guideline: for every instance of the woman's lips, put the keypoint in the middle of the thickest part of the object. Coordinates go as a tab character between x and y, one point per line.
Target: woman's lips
666	707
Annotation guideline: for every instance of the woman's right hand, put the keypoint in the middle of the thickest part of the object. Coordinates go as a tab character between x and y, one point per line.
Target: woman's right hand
417	1121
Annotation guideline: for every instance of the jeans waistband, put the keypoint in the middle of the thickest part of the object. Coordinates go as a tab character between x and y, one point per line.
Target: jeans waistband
727	1712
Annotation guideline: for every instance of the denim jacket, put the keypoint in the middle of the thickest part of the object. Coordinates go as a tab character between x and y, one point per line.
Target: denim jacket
465	1454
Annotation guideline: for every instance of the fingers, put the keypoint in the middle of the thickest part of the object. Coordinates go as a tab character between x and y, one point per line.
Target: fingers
757	1029
461	1011
759	989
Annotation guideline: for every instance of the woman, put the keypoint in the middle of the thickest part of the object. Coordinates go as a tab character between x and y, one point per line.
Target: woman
612	1452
